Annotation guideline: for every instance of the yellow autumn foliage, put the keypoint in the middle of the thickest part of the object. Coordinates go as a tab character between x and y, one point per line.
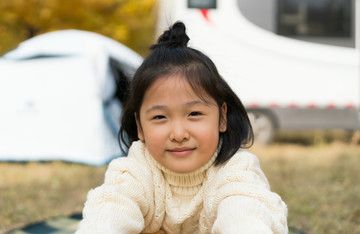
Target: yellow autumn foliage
131	22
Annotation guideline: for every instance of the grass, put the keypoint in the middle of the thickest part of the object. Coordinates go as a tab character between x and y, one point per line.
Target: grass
320	183
31	192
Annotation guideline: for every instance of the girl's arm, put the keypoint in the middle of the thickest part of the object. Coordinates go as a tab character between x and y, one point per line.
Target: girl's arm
245	202
118	205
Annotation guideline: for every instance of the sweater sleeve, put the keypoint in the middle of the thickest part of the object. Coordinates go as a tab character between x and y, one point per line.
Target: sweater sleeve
117	206
244	201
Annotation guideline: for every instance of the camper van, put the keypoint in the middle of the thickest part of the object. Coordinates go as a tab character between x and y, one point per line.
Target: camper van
293	63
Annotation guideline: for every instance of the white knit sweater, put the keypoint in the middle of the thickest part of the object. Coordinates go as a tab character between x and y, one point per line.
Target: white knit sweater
141	196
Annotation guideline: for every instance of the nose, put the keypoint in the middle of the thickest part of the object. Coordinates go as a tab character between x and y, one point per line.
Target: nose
179	132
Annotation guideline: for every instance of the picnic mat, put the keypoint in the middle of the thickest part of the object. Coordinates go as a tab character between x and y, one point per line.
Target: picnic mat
59	225
67	225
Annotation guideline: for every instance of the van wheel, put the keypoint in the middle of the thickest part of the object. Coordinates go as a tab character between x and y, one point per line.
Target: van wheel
263	125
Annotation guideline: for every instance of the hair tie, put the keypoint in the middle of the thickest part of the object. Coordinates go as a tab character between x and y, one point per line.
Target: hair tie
174	37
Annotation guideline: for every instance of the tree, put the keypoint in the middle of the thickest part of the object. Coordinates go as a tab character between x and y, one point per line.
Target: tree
131	22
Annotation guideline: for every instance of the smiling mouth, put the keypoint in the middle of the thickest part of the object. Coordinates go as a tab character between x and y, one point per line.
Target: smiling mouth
181	152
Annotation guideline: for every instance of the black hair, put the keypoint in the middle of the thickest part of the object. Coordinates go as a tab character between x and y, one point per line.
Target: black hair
171	56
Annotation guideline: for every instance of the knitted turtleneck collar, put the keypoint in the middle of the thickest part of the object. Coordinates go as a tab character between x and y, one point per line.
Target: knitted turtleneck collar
191	179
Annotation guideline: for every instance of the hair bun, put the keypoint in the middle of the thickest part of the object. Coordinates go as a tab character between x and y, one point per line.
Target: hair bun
174	37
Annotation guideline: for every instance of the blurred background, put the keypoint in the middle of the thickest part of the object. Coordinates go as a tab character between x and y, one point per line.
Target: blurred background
63	71
129	22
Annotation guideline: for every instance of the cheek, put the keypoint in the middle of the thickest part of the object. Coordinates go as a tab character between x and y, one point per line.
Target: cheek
208	134
155	133
155	140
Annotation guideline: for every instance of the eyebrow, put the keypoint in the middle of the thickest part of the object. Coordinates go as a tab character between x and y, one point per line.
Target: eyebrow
191	103
195	102
156	107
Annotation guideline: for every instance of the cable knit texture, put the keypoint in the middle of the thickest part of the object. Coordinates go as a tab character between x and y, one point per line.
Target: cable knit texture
141	196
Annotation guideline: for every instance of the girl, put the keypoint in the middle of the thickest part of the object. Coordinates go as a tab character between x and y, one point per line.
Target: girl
184	172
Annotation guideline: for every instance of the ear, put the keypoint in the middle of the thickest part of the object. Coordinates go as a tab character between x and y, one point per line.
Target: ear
139	129
223	120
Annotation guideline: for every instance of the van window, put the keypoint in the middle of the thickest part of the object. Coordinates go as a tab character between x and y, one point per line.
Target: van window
202	4
329	22
260	13
314	18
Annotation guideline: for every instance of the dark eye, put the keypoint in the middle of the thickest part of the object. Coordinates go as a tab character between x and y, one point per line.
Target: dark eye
195	113
158	117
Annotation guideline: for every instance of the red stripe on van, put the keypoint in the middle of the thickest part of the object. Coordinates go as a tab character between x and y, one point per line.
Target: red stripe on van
293	105
254	105
274	105
350	106
312	106
331	106
205	14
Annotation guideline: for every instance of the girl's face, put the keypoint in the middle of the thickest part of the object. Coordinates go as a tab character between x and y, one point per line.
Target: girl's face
180	130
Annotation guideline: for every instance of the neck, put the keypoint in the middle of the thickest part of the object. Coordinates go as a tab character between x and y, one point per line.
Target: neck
184	180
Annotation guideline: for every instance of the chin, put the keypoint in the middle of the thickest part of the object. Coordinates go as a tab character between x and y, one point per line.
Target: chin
183	170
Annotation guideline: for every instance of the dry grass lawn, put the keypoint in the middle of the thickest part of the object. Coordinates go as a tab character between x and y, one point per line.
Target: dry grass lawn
31	192
319	183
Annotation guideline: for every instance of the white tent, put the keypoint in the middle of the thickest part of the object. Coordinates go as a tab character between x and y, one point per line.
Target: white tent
58	97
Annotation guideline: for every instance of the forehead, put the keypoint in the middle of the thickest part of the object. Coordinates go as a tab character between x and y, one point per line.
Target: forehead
176	86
